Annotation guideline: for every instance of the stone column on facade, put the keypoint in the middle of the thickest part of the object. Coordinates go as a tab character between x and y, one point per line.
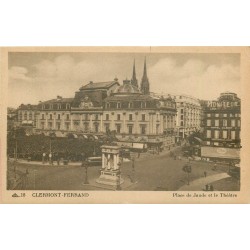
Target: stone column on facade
161	123
154	123
71	122
54	123
91	123
136	123
81	124
124	123
150	123
62	122
46	122
112	125
101	117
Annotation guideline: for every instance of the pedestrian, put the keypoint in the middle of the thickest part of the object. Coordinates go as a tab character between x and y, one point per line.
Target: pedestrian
207	187
205	174
58	160
215	166
133	164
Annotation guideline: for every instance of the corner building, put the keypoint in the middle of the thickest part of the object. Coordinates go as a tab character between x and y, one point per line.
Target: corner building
222	121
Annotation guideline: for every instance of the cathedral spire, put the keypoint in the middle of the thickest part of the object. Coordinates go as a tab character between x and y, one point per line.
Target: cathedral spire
145	69
144	81
134	80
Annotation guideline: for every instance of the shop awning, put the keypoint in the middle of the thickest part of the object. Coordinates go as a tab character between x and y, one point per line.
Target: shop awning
219	152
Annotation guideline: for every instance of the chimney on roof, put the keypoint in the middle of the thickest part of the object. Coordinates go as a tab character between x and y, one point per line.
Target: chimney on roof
90	82
59	98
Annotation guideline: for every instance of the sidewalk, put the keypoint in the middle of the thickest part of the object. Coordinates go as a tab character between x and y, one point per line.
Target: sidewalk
199	184
20	161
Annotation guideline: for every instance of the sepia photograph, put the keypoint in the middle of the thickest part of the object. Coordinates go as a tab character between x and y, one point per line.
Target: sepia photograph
109	121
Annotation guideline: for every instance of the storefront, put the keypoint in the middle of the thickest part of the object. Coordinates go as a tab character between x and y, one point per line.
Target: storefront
220	154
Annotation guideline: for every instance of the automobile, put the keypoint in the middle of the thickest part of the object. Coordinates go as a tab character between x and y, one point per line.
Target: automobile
94	161
186	153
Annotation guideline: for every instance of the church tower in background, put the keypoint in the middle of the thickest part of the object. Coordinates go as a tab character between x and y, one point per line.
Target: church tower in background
134	80
144	81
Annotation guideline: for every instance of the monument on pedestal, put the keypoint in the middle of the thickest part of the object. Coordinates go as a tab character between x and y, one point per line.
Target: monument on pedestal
110	171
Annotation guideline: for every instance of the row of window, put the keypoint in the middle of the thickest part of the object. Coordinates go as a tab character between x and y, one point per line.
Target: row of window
107	117
119	105
86	127
223	115
56	106
26	117
224	135
224	123
58	116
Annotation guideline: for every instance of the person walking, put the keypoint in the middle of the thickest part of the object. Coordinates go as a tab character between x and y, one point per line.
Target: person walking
215	166
58	160
205	174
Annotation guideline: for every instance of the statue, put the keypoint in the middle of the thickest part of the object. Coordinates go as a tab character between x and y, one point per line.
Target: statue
86	103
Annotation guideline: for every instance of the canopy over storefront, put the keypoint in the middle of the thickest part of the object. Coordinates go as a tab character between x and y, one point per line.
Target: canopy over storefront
219	152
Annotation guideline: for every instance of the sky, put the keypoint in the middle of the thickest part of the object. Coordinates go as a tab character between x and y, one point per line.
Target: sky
40	76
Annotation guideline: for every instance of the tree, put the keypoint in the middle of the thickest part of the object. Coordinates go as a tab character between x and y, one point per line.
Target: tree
196	138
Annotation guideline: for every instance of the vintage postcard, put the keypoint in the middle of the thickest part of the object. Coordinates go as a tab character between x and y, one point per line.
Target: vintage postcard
125	125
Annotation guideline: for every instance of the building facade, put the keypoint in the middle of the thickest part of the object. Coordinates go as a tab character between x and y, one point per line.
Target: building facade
222	121
101	107
83	113
27	115
189	114
129	112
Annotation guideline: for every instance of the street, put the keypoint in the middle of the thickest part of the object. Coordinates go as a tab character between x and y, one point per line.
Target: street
156	172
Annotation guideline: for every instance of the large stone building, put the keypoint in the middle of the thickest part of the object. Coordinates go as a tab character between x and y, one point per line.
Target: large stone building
101	107
129	112
83	113
222	121
222	126
27	115
188	117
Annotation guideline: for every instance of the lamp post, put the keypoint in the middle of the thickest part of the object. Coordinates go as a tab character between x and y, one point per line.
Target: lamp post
118	183
15	149
86	181
133	169
188	169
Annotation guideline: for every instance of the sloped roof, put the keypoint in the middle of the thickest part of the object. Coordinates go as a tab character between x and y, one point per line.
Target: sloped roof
27	106
137	97
59	100
98	85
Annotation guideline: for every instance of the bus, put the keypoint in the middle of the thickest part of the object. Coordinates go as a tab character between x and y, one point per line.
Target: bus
94	161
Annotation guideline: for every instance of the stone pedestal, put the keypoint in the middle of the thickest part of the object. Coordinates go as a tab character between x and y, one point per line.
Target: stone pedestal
110	172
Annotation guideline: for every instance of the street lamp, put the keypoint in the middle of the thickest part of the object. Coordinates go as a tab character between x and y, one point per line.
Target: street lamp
188	169
118	181
50	148
86	181
15	149
133	169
